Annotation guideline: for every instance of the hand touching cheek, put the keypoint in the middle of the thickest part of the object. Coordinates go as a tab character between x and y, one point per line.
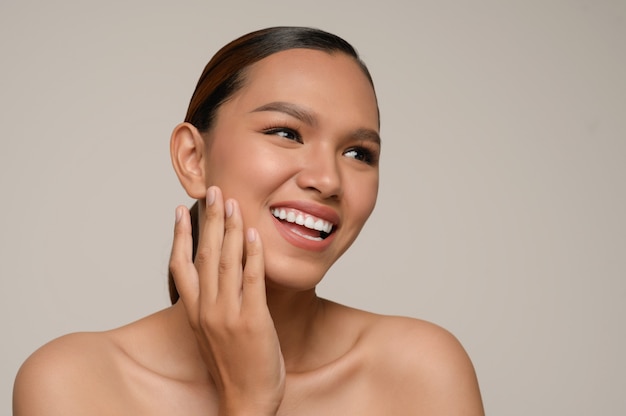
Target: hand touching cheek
227	309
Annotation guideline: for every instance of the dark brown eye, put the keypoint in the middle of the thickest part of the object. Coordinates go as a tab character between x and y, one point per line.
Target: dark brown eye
285	132
361	154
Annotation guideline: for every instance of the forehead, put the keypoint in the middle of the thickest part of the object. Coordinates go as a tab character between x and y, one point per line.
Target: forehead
325	82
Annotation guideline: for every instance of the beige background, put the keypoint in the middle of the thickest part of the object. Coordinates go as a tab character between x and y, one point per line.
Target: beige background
502	208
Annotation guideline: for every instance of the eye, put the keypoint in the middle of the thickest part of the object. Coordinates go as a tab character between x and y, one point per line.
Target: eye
287	133
362	154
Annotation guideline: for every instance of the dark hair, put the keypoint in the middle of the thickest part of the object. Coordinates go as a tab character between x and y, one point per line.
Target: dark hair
225	74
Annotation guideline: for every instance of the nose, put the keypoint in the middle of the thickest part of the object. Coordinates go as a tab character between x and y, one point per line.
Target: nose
320	172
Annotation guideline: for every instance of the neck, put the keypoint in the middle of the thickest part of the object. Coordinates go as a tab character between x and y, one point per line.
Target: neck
297	318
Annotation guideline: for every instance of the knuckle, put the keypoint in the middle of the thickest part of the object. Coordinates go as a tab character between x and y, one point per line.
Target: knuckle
207	321
213	213
253	250
175	265
249	278
219	323
233	221
231	226
231	324
226	265
179	231
254	326
203	256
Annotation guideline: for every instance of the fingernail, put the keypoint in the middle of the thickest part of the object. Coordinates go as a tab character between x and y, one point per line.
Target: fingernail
179	214
229	208
251	235
210	196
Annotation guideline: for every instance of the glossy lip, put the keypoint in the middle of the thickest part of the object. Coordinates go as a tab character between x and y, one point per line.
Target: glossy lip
320	211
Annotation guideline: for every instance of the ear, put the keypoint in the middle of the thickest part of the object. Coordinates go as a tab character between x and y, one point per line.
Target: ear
188	153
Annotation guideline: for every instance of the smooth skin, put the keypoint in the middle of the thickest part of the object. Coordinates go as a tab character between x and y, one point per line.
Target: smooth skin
227	309
249	335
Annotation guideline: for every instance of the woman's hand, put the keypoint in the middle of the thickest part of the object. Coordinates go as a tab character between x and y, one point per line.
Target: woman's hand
227	309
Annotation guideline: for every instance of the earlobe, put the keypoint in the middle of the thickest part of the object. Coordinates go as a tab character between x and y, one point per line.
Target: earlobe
187	153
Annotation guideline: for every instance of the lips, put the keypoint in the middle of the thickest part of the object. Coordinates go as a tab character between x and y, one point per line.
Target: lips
305	225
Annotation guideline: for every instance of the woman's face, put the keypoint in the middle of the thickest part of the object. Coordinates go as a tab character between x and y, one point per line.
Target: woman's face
298	148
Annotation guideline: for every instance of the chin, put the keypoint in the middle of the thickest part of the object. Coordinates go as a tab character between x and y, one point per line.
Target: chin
293	275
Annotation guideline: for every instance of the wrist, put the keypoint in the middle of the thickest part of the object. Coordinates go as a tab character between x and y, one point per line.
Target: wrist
247	409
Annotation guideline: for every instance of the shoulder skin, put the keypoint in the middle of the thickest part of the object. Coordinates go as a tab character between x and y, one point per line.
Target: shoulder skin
423	368
65	376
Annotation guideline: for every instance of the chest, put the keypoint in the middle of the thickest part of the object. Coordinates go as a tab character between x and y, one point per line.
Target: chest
328	392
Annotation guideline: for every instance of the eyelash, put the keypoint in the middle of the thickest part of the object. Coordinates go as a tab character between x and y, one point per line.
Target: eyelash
276	130
366	155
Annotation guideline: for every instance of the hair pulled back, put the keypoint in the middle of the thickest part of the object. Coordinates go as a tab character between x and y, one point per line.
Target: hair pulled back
225	74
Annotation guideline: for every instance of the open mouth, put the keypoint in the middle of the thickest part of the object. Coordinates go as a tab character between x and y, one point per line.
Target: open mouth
305	225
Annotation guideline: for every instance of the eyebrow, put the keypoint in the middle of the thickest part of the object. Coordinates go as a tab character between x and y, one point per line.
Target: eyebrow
305	116
367	135
290	109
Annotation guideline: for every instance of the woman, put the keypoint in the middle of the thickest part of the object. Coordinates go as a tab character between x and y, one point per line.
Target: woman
280	146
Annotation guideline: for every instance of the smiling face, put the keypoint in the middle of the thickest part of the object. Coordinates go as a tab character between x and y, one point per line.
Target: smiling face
297	146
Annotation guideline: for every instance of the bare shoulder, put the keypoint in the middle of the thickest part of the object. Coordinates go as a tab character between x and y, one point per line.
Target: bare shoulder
423	367
62	376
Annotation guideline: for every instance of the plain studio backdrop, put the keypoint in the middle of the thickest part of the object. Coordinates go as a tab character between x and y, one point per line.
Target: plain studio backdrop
502	205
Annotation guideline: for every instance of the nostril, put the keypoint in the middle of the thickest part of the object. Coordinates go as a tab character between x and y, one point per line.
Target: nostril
323	178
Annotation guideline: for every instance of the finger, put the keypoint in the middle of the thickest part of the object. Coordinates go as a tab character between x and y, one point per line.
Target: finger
181	264
230	268
210	245
253	292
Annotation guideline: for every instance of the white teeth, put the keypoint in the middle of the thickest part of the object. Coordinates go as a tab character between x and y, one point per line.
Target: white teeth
299	218
308	237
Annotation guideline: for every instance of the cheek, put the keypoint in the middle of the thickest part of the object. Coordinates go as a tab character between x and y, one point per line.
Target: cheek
245	169
364	199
